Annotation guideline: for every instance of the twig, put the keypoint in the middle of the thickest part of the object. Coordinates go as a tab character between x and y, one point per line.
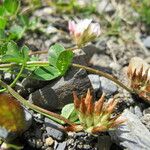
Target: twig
34	107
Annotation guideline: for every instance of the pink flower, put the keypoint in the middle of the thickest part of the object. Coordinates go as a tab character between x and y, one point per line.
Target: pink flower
83	31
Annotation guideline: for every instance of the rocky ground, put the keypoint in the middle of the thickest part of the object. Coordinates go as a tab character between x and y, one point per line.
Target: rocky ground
108	53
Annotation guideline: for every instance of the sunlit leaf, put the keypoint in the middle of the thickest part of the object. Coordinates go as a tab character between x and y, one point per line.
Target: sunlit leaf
60	58
12	6
3	22
11	113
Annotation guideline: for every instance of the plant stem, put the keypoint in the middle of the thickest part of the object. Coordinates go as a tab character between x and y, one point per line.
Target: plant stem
106	75
34	107
46	63
46	51
16	79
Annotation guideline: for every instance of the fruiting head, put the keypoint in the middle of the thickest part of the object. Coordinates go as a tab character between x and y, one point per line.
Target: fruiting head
95	117
139	77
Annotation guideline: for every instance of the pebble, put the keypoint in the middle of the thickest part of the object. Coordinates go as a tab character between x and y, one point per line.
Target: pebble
49	141
61	146
146	121
138	111
146	111
108	86
146	42
54	130
95	81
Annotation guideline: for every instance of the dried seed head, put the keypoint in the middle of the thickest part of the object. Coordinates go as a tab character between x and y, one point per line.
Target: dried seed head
94	117
139	77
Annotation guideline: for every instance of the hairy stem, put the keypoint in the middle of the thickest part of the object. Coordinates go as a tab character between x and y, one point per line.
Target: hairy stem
34	107
104	74
46	63
46	51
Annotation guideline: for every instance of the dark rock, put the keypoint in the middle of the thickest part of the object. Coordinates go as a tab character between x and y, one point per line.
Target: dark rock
132	134
80	134
104	142
54	130
28	119
61	146
59	92
108	86
32	85
49	122
80	57
90	50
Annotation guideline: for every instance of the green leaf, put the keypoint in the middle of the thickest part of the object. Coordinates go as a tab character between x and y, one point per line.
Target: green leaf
46	73
2	10
2	34
12	54
3	48
54	53
60	58
24	20
25	53
11	114
3	22
12	6
16	32
68	111
64	61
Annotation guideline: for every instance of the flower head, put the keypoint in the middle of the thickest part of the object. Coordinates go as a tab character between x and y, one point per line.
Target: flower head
95	117
139	77
83	31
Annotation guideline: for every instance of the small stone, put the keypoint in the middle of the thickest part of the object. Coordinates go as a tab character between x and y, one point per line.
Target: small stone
138	111
146	111
56	133
108	86
115	66
146	42
105	6
146	121
39	143
131	109
61	146
80	146
49	141
86	147
95	81
54	130
7	77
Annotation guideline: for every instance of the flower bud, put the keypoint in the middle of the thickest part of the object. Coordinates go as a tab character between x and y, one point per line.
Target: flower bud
83	31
